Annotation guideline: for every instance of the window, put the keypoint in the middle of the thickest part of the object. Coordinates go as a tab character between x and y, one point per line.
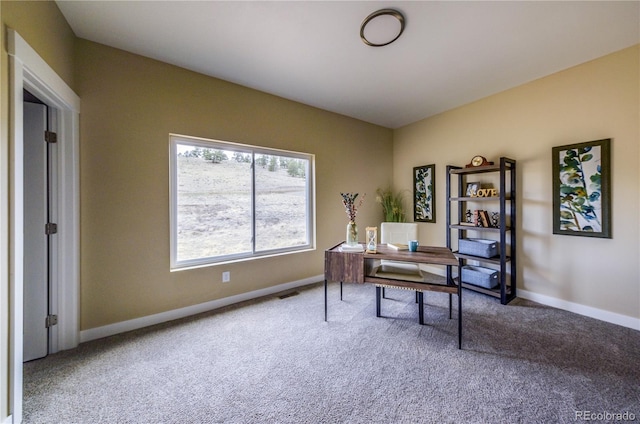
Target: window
232	201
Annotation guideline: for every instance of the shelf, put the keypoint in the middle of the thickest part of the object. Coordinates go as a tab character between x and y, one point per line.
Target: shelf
477	169
491	292
506	200
478	199
493	260
471	227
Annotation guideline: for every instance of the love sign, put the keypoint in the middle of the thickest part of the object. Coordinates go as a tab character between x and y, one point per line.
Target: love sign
485	192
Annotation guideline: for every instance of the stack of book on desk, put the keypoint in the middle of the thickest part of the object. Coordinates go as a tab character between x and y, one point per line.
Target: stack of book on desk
353	248
398	246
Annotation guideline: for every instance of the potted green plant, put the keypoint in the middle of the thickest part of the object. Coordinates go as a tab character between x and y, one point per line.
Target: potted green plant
391	204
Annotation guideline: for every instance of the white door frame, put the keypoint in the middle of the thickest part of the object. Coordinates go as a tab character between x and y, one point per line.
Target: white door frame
29	71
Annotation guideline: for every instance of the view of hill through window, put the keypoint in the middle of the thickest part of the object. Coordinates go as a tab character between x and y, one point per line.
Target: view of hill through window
215	203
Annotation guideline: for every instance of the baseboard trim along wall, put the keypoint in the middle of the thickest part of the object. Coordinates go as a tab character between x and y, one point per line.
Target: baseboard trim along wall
600	314
591	312
134	324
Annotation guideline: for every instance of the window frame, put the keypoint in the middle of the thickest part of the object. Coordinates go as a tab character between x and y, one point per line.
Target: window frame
175	139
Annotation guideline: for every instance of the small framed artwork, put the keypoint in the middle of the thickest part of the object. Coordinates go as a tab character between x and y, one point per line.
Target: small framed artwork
581	189
471	189
424	194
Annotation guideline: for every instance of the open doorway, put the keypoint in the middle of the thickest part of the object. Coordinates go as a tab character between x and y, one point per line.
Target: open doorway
28	71
40	207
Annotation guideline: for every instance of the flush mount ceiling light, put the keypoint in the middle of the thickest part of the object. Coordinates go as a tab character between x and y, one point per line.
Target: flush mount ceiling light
382	27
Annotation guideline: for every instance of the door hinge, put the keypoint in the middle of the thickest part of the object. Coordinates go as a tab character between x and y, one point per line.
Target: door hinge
51	320
50	228
50	137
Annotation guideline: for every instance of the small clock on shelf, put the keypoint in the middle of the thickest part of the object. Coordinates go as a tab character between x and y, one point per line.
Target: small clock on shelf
478	160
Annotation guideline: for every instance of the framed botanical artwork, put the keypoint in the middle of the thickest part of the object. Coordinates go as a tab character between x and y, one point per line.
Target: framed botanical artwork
582	189
424	194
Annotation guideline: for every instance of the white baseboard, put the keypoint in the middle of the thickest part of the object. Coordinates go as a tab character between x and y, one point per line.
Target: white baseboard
589	311
134	324
602	315
8	420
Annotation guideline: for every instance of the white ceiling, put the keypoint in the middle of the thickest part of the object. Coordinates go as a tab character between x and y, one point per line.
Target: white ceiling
451	53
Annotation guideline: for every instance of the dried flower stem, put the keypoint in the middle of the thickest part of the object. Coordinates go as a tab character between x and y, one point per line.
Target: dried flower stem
349	202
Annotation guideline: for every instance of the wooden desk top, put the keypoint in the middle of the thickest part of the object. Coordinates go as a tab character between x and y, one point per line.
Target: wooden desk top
352	266
426	254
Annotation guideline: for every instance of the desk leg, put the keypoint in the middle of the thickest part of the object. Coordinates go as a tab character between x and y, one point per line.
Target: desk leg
340	290
450	305
378	293
325	299
459	316
420	307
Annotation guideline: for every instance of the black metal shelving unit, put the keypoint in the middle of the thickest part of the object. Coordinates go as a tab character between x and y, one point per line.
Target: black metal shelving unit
506	231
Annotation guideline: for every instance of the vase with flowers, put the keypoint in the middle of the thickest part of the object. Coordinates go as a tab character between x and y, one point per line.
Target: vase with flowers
349	202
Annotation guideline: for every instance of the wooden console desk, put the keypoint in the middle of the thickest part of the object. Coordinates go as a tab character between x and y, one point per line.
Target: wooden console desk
358	267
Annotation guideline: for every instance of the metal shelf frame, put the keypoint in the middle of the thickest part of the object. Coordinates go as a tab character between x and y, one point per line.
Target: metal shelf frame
506	198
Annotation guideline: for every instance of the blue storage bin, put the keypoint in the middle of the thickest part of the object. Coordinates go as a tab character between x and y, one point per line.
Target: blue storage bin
480	276
478	247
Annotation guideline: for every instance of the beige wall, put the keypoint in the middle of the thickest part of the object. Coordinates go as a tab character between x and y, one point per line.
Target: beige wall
130	104
596	100
42	25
